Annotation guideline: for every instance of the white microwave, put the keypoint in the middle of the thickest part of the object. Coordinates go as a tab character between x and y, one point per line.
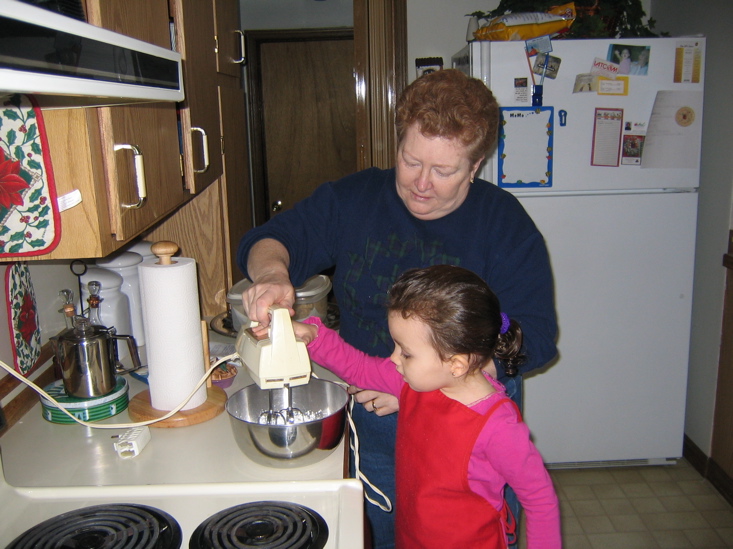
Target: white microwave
66	62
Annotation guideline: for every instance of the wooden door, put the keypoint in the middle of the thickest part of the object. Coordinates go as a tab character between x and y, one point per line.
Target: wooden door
303	102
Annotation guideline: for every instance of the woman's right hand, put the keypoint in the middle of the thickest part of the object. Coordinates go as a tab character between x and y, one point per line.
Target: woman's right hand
266	291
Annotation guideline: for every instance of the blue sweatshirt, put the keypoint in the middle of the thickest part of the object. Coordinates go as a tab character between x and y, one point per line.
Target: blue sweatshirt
360	226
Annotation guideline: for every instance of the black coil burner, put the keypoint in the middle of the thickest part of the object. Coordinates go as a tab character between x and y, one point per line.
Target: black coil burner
113	526
262	524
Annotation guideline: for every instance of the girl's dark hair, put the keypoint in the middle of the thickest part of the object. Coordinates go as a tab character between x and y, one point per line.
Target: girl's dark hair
462	312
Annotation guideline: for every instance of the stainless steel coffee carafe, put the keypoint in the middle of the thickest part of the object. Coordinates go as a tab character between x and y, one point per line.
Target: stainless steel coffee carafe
87	356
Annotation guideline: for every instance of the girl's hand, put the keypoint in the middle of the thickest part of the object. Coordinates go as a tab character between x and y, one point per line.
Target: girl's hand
305	332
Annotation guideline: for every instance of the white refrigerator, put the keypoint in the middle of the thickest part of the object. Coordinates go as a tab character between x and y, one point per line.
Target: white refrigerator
608	168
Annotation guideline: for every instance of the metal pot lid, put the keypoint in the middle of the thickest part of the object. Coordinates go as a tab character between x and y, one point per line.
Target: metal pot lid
315	285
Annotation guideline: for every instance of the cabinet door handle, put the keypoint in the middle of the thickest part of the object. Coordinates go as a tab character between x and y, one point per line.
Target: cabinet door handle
142	191
205	145
242	58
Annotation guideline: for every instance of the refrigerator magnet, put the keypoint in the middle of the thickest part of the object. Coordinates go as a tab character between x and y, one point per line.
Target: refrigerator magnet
619	86
525	147
585	83
631	150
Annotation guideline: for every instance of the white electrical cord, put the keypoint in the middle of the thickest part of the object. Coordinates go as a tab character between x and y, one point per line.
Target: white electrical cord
175	410
354	446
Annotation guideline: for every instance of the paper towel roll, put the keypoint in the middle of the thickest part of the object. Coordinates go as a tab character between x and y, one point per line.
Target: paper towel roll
172	321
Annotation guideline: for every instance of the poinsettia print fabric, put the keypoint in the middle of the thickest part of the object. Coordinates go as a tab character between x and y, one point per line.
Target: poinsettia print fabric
29	218
22	317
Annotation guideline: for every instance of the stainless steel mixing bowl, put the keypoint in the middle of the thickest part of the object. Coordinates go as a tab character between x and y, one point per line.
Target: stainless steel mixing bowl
293	445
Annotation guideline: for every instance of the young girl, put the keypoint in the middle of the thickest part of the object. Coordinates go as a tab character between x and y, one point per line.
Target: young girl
624	60
459	438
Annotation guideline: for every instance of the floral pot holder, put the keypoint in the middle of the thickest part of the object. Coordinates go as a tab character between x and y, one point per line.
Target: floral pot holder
29	216
25	333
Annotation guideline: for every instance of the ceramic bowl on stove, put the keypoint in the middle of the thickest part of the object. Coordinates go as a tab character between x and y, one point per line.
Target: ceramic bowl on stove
317	430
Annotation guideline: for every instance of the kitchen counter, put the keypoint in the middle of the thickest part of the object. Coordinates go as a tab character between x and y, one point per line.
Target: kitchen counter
37	453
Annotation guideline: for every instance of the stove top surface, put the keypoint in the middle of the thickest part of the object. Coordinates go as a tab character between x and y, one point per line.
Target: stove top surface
334	509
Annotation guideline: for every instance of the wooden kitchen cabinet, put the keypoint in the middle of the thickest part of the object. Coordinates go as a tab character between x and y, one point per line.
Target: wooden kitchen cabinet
84	161
195	36
125	131
209	227
229	38
107	155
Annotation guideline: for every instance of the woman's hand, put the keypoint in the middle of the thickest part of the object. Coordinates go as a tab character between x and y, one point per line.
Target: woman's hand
267	265
382	404
305	332
267	291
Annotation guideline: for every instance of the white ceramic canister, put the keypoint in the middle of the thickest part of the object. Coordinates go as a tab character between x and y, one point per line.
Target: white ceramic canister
142	247
125	264
115	308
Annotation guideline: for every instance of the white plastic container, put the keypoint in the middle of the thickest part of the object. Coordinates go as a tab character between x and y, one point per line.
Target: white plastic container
311	299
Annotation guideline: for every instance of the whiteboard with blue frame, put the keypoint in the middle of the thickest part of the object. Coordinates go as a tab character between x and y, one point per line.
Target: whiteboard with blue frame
525	147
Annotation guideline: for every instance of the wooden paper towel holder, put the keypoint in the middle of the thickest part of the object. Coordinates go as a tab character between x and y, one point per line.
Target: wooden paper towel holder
140	407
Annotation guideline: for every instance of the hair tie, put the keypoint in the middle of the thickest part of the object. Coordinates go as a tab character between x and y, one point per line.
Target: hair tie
504	323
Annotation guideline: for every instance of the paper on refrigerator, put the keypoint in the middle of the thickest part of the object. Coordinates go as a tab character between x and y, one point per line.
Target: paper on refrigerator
674	131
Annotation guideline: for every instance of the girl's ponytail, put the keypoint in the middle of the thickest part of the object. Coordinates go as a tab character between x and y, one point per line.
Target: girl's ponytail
509	348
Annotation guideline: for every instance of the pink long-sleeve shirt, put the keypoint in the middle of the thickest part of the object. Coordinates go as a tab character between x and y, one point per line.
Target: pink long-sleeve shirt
503	452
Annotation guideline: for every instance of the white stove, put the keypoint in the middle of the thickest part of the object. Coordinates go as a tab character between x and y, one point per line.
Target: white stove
338	502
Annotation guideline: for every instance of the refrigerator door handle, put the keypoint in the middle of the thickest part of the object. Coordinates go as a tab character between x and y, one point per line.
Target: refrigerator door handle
606	192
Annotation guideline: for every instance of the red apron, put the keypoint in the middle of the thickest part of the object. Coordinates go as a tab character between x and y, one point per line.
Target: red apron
435	506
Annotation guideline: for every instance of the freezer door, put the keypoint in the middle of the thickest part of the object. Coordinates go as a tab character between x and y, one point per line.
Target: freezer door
623	268
504	67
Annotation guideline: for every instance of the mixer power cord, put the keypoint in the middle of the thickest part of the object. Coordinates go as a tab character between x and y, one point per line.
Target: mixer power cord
354	447
174	411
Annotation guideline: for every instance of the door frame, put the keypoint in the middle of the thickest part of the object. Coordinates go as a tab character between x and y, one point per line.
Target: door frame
380	68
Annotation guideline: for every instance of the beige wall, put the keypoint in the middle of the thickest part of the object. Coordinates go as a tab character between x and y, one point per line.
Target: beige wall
436	28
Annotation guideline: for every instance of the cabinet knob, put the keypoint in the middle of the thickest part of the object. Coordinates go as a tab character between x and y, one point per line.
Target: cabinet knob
277	206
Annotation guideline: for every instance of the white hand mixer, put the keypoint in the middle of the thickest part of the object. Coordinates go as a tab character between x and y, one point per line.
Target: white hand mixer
276	361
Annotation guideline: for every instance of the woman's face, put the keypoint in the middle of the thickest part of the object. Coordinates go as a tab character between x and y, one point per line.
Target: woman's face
433	174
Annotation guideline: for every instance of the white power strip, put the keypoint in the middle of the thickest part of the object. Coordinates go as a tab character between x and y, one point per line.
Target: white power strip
132	442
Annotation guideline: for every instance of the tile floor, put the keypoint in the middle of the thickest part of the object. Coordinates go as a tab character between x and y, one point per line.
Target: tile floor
651	507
